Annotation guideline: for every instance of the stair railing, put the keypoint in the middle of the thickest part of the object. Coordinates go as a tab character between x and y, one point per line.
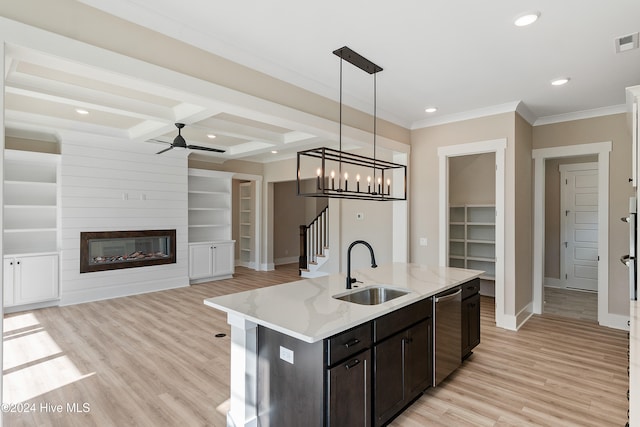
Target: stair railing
313	239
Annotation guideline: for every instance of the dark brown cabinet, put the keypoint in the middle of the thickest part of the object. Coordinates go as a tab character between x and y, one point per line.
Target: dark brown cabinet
402	358
402	370
349	392
364	376
470	317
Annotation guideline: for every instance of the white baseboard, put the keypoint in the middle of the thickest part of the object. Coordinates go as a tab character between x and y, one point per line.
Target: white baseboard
286	260
269	266
552	282
615	321
513	323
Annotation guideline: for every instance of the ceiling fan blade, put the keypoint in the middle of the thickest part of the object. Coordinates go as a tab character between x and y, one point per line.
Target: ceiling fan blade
166	149
199	147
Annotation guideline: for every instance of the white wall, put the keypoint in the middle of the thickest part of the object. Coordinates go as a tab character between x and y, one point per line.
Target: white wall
107	185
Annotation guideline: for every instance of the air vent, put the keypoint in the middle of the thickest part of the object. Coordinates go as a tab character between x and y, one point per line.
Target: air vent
628	42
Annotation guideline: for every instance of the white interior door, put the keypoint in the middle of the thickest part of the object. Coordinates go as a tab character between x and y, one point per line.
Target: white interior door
579	195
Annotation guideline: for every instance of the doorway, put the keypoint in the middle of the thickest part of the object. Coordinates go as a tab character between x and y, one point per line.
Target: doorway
571	237
472	204
541	157
498	147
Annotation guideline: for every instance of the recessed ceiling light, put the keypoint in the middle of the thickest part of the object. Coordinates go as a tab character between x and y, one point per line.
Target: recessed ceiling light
560	82
526	19
430	109
81	111
274	151
210	136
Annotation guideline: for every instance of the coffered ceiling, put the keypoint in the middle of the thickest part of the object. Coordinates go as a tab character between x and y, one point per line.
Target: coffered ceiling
50	94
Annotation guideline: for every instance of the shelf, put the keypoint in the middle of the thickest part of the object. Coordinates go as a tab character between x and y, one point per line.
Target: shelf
29	230
246	221
476	258
472	237
30	201
224	193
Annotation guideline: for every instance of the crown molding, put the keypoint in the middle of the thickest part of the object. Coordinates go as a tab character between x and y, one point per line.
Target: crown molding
579	115
468	115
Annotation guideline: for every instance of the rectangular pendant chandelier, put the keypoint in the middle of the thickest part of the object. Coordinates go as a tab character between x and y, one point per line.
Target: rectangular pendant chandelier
344	175
326	172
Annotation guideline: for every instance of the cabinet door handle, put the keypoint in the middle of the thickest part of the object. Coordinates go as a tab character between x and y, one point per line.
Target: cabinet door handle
352	364
18	262
352	342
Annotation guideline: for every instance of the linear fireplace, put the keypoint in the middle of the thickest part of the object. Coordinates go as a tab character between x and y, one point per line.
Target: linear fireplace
111	250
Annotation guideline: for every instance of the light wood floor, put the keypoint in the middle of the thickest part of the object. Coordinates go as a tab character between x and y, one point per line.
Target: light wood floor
153	360
571	303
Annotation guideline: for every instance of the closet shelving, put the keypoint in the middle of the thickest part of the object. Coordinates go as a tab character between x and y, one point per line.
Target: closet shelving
472	238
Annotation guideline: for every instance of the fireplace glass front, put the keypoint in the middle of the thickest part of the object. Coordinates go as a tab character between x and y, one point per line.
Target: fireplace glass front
110	250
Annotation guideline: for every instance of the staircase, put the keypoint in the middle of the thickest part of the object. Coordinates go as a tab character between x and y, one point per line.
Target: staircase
314	245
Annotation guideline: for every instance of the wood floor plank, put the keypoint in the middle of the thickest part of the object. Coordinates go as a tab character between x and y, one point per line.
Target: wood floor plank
153	360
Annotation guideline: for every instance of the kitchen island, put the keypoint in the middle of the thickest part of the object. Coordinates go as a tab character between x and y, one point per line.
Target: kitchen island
306	316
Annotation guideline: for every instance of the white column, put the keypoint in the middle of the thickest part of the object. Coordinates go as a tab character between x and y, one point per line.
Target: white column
244	373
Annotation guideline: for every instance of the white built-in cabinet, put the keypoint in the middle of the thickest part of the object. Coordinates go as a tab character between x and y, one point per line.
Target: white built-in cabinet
31	227
472	238
212	260
30	279
246	225
211	249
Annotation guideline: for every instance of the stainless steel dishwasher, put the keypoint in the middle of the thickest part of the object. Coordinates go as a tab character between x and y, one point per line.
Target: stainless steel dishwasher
447	336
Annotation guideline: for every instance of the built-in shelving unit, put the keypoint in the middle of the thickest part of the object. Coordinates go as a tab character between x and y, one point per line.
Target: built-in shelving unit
472	238
31	202
209	206
246	224
31	229
211	250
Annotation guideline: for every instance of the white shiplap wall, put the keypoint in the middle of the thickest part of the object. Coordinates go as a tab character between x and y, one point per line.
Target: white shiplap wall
110	184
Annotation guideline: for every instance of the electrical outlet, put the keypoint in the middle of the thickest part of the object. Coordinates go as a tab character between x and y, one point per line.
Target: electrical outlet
423	241
286	354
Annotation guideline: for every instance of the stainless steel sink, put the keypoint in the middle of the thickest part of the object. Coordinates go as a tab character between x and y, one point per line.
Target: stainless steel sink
372	295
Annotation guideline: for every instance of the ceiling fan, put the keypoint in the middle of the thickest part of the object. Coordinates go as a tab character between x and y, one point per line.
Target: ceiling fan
179	142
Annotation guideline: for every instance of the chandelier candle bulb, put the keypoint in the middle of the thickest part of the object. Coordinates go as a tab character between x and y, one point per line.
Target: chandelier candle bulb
379	185
368	184
388	186
358	183
346	175
318	173
333	174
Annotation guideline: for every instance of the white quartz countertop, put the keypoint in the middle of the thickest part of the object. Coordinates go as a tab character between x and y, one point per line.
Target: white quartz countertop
306	309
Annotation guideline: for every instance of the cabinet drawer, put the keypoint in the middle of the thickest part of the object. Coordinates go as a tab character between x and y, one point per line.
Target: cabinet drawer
400	319
470	288
348	343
